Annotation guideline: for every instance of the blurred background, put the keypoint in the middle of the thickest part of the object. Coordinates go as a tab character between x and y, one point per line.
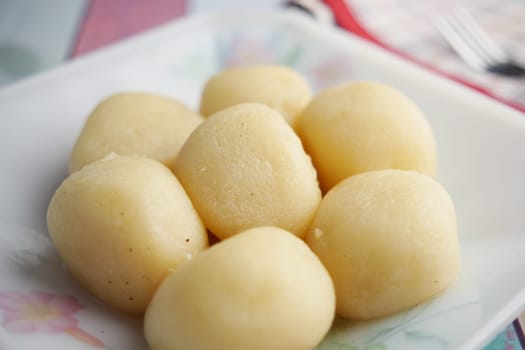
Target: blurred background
38	35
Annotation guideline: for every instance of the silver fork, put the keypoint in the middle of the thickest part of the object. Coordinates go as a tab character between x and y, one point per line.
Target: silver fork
475	46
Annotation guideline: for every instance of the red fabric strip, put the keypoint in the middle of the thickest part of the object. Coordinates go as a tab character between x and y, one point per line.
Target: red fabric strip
107	21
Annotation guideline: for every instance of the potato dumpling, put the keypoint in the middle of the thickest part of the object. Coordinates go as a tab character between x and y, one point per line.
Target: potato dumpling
262	289
121	224
364	126
278	87
134	123
245	167
388	239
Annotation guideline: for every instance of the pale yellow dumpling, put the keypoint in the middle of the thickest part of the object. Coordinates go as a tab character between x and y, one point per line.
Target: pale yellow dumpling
363	126
262	289
278	87
121	224
245	167
135	123
388	239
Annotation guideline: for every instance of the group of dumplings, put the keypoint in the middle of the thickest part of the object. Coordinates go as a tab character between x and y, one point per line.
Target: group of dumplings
321	206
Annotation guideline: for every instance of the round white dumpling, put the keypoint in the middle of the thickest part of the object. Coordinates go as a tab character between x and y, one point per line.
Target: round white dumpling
121	224
262	289
278	87
364	126
134	123
245	167
388	239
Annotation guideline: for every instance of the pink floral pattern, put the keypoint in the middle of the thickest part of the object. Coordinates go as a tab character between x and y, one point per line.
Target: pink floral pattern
242	48
331	71
244	52
43	312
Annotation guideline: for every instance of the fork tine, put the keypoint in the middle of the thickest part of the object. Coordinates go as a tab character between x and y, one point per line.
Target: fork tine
474	45
470	40
493	50
459	44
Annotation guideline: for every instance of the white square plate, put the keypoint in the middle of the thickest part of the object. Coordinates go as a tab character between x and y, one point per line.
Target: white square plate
481	147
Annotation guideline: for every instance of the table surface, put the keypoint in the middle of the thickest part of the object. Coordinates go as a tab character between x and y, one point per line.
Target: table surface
33	38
